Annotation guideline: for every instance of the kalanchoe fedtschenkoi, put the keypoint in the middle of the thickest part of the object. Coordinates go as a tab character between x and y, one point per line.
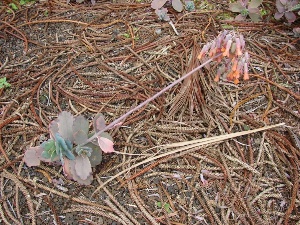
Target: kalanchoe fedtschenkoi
65	132
286	8
178	5
233	58
246	8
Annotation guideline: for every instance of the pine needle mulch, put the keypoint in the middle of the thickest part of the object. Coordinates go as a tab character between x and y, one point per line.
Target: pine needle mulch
192	156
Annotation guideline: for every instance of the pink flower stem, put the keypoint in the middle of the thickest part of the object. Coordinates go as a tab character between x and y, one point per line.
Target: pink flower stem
124	116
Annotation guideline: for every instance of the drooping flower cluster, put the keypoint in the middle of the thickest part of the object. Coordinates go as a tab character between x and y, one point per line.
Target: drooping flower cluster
230	47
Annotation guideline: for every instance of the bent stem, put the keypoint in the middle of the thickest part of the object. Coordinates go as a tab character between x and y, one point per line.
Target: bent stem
123	117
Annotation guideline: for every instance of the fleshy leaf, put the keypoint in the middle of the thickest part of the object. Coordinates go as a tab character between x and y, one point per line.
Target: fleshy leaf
81	124
70	170
69	154
67	169
53	128
83	167
87	181
31	158
283	2
255	3
80	137
296	7
49	148
290	16
236	7
280	7
106	135
96	154
254	17
65	125
99	122
177	5
157	4
61	144
278	15
106	145
254	10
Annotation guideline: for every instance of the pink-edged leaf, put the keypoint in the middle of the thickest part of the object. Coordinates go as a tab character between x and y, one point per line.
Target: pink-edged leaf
65	125
83	167
278	15
236	7
67	168
74	176
81	123
255	3
106	145
99	122
31	157
177	5
290	16
80	137
157	4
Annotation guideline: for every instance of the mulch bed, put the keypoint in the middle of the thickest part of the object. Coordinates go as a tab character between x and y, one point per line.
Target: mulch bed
108	58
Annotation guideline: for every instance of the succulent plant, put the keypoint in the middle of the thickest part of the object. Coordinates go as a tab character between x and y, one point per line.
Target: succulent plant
246	8
77	162
161	12
286	8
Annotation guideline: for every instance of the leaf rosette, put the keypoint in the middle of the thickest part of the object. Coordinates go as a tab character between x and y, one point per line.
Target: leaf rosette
65	132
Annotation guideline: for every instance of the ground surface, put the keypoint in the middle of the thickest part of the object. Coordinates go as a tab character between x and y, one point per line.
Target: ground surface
110	57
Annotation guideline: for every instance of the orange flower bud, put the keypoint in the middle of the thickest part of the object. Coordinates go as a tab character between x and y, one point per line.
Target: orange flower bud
234	64
230	75
236	74
217	78
228	45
